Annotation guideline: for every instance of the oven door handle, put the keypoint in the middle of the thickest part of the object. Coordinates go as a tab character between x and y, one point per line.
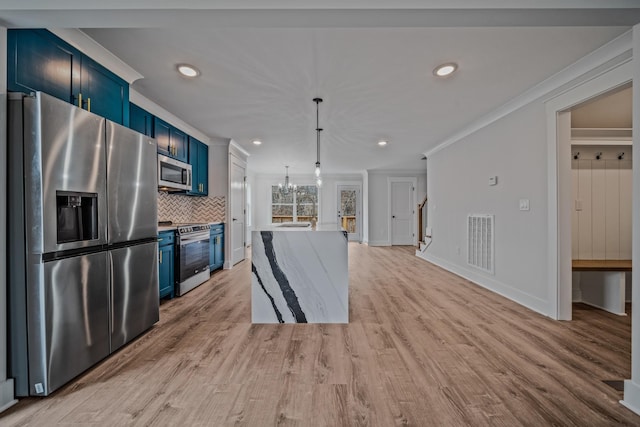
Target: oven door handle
194	238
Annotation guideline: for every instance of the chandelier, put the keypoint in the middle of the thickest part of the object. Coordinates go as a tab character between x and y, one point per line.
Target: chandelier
318	130
287	186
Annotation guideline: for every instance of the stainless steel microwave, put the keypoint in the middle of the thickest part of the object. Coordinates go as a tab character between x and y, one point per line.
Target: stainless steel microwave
173	174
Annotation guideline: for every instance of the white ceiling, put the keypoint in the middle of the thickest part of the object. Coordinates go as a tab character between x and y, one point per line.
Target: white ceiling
258	80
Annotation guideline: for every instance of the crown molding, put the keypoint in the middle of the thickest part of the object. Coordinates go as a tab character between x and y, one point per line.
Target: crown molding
144	102
85	44
617	47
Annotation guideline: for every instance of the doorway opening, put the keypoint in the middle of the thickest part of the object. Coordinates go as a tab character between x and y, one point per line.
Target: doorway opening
601	208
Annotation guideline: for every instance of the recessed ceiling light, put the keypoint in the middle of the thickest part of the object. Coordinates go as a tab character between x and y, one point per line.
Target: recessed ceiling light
445	69
188	70
257	142
382	143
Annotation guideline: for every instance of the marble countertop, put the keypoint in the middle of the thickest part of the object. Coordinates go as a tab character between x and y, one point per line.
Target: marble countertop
302	226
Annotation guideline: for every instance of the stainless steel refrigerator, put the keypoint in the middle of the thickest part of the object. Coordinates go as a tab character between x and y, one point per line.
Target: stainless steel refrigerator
82	249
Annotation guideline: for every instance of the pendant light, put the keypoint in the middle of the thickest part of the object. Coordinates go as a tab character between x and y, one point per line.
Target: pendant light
287	186
318	130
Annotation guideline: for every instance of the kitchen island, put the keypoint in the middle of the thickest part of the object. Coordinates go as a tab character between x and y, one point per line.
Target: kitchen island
299	274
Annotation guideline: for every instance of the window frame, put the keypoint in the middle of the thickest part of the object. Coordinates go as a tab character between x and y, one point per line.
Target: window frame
294	204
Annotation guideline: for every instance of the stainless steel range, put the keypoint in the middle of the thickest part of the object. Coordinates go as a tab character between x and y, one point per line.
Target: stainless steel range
192	258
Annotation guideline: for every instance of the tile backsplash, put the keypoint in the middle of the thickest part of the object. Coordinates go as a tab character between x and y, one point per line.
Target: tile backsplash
179	208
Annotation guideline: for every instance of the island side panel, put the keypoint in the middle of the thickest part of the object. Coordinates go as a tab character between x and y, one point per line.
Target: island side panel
299	277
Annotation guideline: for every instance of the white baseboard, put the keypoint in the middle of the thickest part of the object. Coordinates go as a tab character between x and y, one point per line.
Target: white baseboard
379	243
531	302
631	396
7	399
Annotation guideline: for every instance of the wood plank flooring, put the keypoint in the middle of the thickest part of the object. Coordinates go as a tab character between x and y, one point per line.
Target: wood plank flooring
424	347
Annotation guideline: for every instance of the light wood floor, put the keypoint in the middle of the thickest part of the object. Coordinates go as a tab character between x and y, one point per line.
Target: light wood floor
424	347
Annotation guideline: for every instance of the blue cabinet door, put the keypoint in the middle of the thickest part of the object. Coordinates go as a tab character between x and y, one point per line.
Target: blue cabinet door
219	251
216	251
203	168
212	250
39	61
162	133
140	120
104	93
199	161
166	264
171	141
180	142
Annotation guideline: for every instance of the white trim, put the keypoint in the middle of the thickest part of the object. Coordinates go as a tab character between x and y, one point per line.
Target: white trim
598	57
414	182
631	399
532	302
310	182
559	256
144	102
85	44
235	145
399	172
379	243
601	142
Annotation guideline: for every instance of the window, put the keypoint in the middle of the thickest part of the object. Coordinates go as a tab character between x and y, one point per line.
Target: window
298	205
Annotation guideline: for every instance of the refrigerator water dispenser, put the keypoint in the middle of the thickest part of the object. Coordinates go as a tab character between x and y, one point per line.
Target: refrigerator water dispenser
77	216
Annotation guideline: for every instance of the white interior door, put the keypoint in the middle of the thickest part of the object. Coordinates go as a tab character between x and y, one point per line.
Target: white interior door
402	211
237	213
350	210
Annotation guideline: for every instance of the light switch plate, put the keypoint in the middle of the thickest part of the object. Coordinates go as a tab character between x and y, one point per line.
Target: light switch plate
493	180
524	204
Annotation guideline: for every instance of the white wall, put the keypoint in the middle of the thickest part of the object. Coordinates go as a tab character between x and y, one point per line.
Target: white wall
513	149
219	167
327	197
378	198
601	217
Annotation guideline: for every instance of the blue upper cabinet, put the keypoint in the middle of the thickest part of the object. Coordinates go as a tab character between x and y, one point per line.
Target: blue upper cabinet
172	141
37	60
199	161
140	120
180	142
104	93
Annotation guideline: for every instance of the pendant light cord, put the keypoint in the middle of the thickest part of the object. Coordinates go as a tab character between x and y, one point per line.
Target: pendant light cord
318	129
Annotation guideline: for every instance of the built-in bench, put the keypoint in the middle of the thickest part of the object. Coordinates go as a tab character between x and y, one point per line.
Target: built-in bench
601	283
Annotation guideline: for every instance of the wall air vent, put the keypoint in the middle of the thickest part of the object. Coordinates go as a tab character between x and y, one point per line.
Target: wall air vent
480	242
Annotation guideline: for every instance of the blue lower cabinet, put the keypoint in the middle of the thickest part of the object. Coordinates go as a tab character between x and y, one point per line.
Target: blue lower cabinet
166	264
216	249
